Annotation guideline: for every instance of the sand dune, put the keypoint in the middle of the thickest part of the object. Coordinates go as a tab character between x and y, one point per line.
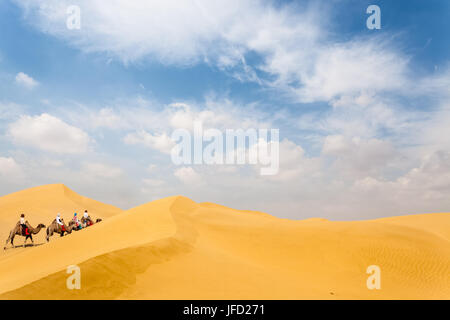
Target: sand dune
41	204
174	248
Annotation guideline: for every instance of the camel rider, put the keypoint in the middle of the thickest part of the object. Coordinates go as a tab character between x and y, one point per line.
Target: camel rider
77	222
87	219
22	223
59	221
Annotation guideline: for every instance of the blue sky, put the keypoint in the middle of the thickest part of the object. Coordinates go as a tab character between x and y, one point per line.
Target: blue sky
363	114
69	73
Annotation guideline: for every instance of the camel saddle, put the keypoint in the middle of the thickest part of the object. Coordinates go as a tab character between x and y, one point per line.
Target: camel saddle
25	231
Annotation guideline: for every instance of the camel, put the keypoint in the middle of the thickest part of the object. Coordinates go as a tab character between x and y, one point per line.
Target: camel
88	222
56	228
84	223
18	231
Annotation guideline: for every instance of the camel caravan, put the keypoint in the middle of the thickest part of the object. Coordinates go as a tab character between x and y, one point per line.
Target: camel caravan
58	226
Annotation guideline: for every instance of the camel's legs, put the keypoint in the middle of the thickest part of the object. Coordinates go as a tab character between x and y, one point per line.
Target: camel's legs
26	238
7	240
12	240
49	234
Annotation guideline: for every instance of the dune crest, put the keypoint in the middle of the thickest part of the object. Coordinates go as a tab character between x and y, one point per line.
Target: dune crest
175	248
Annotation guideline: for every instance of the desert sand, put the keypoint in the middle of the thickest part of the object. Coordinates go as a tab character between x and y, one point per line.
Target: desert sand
175	248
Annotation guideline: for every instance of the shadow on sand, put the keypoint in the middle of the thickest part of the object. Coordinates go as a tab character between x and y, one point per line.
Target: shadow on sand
25	246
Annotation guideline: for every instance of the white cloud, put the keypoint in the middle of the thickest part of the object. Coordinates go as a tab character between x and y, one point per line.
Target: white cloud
188	176
141	114
424	188
25	80
153	182
132	114
360	177
358	157
106	118
48	133
295	47
336	145
433	174
352	68
218	114
181	116
437	84
10	110
150	124
10	170
101	170
161	142
363	115
293	163
434	131
175	31
183	32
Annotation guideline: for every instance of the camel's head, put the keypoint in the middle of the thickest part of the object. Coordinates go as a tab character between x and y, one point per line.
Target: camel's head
41	225
98	220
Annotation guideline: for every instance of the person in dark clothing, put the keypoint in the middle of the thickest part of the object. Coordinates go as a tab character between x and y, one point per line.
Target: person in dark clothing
23	224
